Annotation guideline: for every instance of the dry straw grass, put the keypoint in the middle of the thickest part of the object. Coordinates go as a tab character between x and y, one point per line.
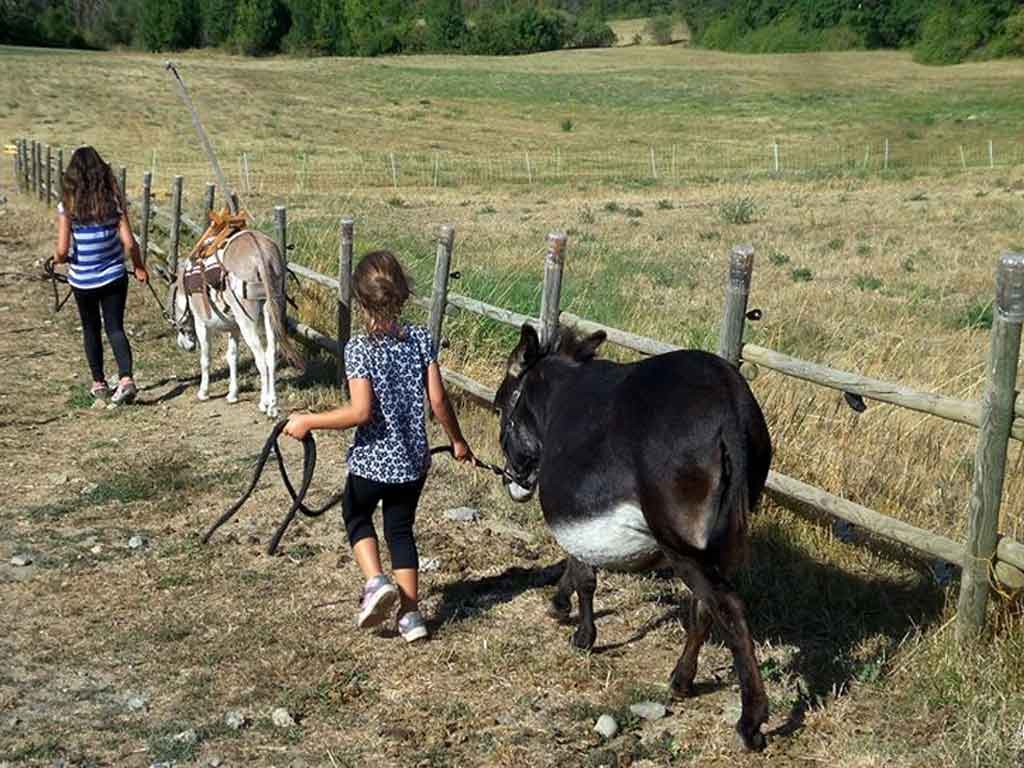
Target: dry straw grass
877	275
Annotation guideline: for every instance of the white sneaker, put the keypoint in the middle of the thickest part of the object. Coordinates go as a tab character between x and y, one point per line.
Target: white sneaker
412	627
379	599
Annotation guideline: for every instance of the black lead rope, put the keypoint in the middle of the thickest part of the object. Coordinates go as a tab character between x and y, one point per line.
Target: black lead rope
54	278
308	467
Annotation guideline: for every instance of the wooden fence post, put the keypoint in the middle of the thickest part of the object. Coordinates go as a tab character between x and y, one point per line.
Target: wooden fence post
122	180
60	173
42	173
551	297
281	235
737	290
35	168
344	297
175	233
990	457
17	164
23	159
208	201
49	175
439	292
147	180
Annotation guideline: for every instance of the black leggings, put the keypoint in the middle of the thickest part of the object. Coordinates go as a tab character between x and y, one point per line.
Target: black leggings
109	300
399	502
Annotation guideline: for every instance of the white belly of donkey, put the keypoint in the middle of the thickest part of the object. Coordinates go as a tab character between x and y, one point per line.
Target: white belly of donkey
618	539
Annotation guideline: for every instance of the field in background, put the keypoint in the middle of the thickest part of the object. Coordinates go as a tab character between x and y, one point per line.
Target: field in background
887	274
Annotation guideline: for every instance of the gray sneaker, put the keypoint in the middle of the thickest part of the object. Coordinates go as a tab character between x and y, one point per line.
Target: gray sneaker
412	627
379	600
125	393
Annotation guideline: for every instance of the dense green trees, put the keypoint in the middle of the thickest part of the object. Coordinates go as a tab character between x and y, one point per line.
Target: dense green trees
939	31
318	27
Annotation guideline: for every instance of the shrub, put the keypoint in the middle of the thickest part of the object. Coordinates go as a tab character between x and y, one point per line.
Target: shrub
739	211
169	25
802	275
949	34
590	31
660	29
446	25
568	125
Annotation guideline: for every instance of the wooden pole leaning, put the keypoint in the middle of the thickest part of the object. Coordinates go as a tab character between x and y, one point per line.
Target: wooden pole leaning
41	173
23	165
17	165
344	296
281	236
439	291
551	295
122	180
174	241
147	181
990	456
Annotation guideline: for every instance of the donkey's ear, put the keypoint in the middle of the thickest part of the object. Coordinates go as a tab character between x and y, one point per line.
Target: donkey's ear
525	353
588	347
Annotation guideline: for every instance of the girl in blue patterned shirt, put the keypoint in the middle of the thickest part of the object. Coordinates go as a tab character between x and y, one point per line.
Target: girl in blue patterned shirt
389	370
94	236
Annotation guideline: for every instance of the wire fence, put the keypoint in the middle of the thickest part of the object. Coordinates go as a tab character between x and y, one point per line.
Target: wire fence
261	172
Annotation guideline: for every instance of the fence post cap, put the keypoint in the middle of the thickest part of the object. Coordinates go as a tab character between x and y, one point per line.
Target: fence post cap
556	245
1010	287
446	233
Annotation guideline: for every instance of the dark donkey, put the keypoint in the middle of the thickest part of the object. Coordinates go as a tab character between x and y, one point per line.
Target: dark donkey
664	458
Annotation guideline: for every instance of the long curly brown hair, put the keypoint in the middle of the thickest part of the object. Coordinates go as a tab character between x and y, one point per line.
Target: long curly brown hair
382	288
91	192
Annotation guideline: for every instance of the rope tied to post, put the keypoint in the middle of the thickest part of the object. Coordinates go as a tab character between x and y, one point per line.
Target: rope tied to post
298	497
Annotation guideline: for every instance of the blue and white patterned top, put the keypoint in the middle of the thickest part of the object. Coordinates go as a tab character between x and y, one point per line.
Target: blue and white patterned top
97	256
392	446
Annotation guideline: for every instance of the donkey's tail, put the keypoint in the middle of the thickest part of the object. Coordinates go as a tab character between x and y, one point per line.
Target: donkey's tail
734	546
274	278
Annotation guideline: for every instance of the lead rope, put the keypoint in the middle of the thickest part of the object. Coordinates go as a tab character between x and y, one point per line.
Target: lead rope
298	497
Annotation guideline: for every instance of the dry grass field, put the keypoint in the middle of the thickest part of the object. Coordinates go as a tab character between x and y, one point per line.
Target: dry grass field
887	274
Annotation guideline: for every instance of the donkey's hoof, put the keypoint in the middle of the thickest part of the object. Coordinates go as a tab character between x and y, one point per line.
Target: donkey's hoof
584	637
202	396
559	611
272	411
232	398
752	738
680	687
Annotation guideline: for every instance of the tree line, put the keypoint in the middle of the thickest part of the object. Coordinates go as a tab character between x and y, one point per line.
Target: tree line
320	27
938	31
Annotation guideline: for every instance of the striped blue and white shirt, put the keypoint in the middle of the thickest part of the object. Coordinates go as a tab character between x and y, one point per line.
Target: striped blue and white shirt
97	256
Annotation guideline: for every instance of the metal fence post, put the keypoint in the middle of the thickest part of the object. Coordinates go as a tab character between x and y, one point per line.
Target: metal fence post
990	456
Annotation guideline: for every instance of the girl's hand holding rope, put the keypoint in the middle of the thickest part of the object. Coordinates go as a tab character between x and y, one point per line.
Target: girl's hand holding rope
141	274
297	428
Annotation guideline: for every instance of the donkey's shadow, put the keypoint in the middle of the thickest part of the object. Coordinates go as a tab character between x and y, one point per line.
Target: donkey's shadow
825	613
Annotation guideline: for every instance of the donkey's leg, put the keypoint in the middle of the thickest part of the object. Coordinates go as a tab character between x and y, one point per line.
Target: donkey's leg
203	339
232	356
250	332
561	604
728	611
271	361
585	581
681	682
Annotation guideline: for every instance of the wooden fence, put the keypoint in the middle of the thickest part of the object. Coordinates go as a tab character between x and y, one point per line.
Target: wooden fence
985	558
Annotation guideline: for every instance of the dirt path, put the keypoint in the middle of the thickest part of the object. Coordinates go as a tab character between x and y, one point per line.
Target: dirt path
116	655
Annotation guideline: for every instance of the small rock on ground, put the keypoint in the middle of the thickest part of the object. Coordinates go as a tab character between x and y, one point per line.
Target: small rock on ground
136	542
235	720
430	564
89	487
281	718
606	726
189	737
215	762
463	514
649	710
136	704
21	560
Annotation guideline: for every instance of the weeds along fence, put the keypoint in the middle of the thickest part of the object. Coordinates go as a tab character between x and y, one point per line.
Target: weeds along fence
314	173
986	559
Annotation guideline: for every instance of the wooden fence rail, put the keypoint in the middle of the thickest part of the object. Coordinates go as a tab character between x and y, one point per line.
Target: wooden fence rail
985	558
